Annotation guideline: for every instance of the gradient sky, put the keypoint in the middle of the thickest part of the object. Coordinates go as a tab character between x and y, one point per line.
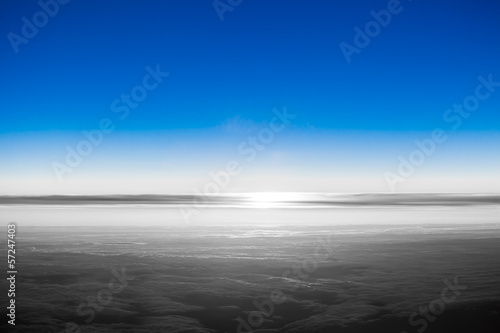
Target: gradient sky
353	120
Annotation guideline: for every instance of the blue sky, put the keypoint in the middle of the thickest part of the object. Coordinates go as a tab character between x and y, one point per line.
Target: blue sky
353	120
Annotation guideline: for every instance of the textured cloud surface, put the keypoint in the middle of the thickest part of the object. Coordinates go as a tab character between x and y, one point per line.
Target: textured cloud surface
292	279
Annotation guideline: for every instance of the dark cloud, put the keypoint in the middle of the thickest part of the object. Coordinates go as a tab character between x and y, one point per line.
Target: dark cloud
367	285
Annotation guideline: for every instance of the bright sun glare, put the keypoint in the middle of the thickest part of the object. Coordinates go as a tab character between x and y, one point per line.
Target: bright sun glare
271	199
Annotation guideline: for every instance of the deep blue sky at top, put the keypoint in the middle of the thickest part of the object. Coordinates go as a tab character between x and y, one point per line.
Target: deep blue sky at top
355	120
264	54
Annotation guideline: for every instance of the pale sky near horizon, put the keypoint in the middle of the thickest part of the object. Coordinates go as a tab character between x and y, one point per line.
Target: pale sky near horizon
211	92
